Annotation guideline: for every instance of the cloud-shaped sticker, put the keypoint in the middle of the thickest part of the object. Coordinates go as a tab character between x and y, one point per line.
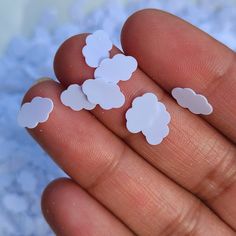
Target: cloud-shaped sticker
97	48
107	95
35	112
157	131
74	98
196	103
120	67
149	116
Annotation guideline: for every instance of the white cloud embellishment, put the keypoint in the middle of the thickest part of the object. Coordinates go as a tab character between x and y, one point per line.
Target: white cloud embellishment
74	98
107	95
196	103
156	132
149	116
97	48
120	67
35	112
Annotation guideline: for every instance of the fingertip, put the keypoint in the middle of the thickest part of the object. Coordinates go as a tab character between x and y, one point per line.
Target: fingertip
175	50
40	87
69	210
132	24
69	63
54	205
52	193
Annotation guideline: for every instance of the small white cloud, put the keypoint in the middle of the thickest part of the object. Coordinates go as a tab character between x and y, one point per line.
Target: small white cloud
120	67
35	112
141	115
74	98
196	103
97	48
157	131
107	95
149	116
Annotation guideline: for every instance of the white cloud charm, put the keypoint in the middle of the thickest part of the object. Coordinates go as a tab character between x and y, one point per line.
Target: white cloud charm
120	67
196	103
157	131
35	112
107	95
74	98
97	48
142	113
149	116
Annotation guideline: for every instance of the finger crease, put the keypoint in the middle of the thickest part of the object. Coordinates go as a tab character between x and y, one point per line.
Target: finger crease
220	179
108	170
186	222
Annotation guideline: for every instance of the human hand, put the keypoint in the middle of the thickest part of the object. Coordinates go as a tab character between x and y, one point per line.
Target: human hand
121	185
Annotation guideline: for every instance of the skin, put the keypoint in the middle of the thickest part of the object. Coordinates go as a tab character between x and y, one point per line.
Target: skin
120	185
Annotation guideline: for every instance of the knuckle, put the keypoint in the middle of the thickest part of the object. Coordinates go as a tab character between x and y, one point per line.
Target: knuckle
220	178
186	222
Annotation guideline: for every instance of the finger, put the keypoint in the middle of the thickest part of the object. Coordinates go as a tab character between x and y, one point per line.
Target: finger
180	55
194	155
70	211
143	198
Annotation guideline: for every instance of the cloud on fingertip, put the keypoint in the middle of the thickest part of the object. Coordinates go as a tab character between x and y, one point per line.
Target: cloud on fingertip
35	112
97	48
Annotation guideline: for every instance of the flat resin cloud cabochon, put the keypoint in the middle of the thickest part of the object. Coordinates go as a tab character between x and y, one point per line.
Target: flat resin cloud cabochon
159	129
107	95
97	48
35	112
118	68
196	103
74	98
149	116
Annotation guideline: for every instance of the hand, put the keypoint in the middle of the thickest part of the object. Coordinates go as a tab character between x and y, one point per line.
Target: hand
120	185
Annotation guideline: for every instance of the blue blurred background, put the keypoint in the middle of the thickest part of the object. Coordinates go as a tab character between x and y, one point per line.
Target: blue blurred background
31	31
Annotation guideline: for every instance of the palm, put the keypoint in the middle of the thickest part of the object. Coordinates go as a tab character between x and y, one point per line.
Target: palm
132	187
